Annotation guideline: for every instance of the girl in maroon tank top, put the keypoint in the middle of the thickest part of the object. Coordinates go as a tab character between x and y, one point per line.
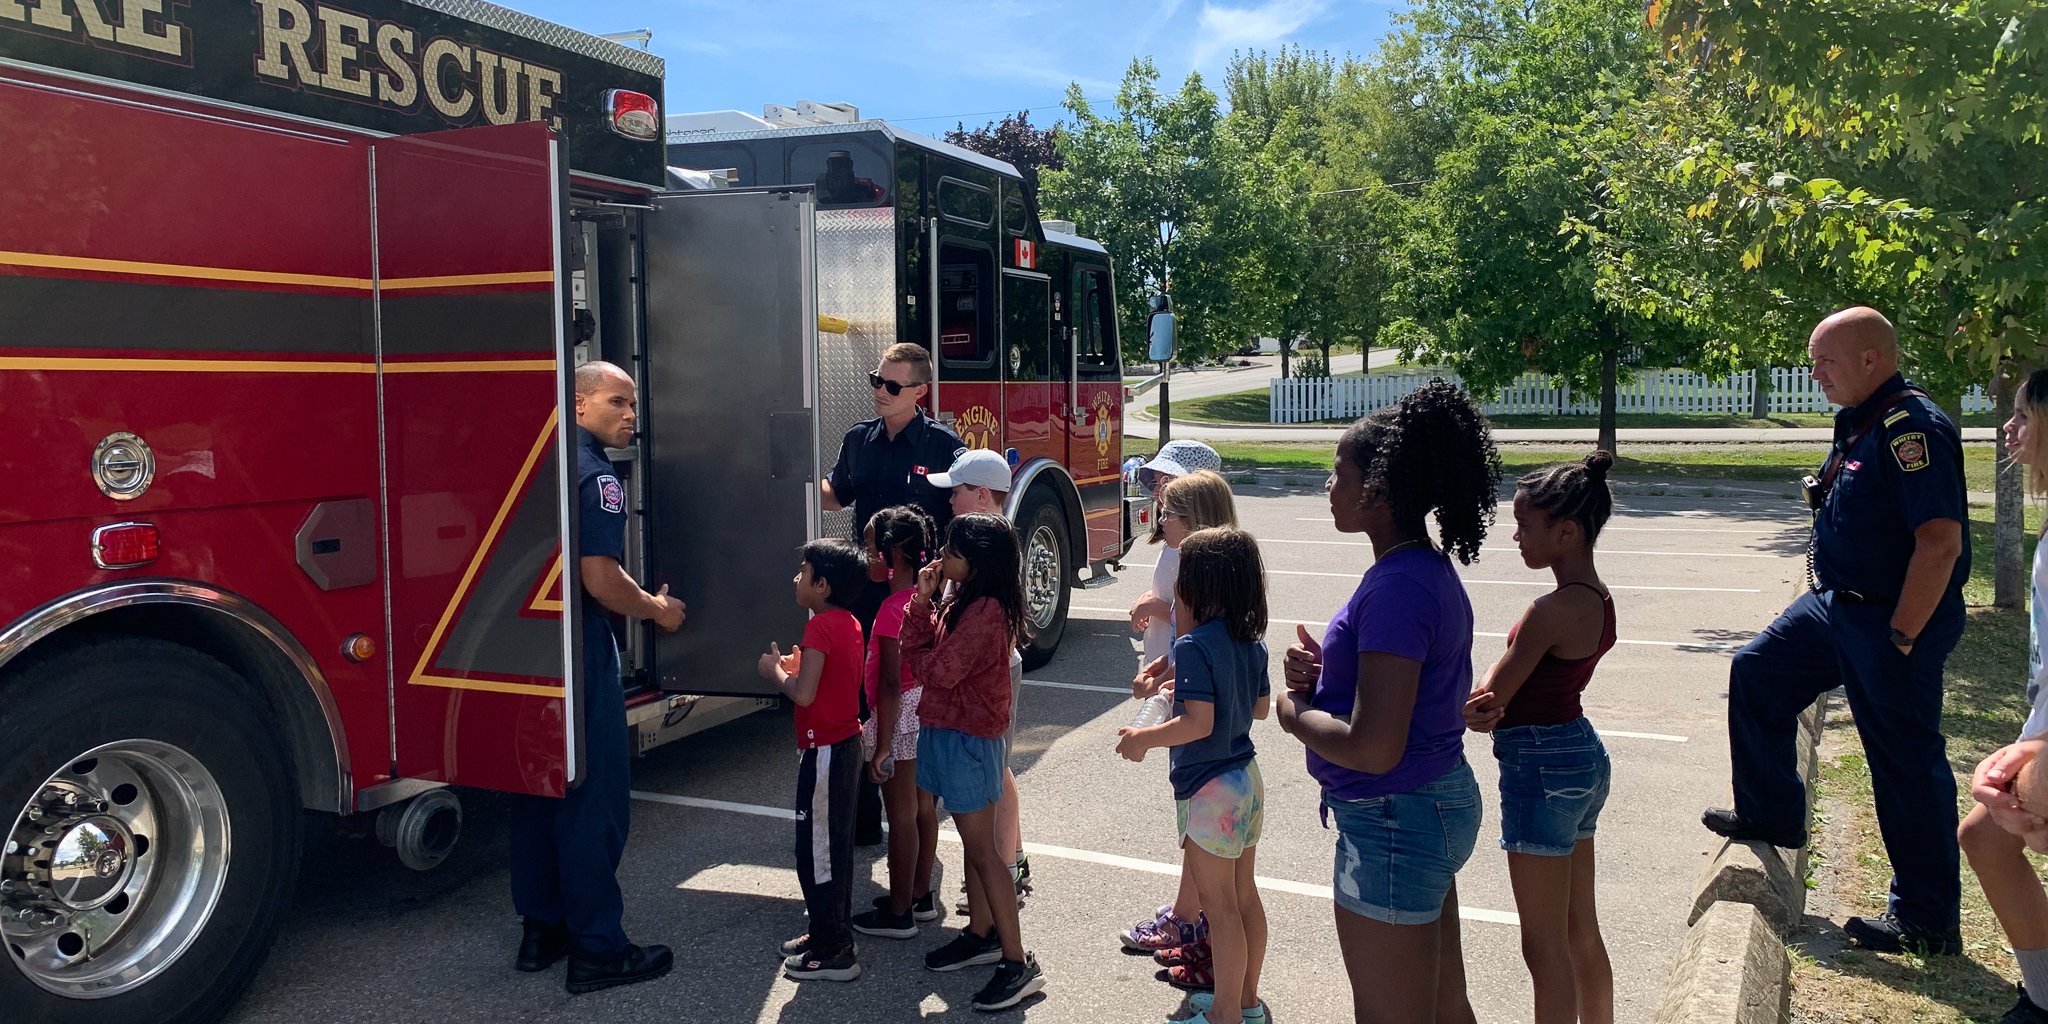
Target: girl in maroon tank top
1554	771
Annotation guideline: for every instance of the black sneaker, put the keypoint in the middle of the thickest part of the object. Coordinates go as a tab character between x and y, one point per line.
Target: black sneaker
795	947
1885	933
2026	1011
1012	983
966	950
842	966
637	964
923	908
1724	822
1021	875
889	926
540	946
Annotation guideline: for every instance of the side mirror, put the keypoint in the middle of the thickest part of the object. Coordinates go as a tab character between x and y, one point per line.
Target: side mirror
1161	327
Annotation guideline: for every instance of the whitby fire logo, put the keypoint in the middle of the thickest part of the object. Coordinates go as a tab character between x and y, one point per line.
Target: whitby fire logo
977	427
1104	413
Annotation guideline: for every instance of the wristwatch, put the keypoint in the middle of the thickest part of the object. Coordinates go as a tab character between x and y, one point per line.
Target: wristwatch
1900	639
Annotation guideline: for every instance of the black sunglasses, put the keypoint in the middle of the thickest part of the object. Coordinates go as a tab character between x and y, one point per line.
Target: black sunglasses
876	380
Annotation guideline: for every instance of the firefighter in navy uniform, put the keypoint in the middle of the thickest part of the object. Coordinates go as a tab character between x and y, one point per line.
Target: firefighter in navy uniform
565	852
883	462
1884	609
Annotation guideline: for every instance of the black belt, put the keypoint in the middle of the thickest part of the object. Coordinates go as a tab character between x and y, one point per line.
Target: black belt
1855	597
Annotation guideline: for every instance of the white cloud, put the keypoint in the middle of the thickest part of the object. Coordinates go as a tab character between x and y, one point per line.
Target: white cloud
1220	29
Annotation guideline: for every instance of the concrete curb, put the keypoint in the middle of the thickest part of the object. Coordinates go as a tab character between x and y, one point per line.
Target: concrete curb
1732	969
1769	878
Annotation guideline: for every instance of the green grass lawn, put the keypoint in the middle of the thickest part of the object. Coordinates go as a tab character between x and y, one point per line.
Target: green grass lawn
1255	406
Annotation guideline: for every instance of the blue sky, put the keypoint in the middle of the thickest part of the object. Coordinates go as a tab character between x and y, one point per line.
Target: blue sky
930	63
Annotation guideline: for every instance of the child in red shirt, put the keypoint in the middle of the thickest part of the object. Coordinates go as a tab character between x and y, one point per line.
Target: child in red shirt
823	678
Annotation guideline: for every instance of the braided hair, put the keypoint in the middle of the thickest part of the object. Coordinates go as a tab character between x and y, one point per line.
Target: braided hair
1576	491
907	530
1431	452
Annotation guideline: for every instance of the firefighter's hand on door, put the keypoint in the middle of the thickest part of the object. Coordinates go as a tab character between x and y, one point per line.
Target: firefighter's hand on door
670	618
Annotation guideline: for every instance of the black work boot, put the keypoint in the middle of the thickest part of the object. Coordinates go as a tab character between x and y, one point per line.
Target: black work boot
1723	822
636	964
540	946
1885	933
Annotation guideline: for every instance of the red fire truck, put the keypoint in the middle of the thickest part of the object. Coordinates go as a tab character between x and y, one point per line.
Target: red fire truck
291	296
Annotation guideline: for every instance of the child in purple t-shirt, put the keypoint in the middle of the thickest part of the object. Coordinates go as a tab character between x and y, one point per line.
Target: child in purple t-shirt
1379	703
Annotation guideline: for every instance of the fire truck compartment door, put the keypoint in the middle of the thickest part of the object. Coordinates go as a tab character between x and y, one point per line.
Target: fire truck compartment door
479	460
731	431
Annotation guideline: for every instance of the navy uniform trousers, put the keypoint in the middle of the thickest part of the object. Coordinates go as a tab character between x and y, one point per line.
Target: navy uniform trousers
566	851
1821	642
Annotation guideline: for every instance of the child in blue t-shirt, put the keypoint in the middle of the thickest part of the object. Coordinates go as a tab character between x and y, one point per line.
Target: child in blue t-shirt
1221	686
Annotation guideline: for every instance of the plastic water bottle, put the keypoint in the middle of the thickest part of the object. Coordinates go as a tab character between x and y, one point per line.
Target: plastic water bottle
1156	709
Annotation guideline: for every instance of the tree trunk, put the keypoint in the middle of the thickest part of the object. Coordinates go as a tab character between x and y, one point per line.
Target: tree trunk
1760	396
1283	358
2009	512
1610	361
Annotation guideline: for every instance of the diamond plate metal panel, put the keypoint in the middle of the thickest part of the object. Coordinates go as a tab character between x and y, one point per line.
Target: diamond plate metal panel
507	20
856	257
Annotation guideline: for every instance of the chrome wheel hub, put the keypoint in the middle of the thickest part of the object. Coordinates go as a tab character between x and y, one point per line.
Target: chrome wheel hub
112	869
1042	578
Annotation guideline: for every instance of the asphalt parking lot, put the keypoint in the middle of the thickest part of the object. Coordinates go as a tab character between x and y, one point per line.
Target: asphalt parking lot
709	869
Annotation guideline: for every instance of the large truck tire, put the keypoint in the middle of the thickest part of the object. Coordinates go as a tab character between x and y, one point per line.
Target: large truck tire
152	835
1048	575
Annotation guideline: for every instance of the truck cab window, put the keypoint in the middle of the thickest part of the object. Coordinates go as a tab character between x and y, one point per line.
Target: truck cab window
967	311
1095	346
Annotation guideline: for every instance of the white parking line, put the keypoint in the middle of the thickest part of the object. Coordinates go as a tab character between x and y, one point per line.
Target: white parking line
1666	737
1500	583
1113	860
1690	645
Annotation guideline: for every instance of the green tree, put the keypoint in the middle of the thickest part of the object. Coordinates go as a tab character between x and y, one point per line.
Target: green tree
1839	151
1157	182
1494	289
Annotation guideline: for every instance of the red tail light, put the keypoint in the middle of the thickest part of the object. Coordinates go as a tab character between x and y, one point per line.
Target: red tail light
634	115
125	545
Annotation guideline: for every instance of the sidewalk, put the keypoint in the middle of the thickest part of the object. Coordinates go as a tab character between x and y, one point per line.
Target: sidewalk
1140	427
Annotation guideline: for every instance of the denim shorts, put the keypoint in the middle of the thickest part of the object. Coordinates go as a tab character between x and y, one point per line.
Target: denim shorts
1553	782
1397	855
966	772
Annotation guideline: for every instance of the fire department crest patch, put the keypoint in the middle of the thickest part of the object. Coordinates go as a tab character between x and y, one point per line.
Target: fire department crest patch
1911	451
610	494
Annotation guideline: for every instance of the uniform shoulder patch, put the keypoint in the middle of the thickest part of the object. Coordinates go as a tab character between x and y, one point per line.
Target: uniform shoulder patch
1911	451
610	494
1896	417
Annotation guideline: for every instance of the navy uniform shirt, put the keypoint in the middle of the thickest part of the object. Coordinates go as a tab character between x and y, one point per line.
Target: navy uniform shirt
876	471
1906	470
601	529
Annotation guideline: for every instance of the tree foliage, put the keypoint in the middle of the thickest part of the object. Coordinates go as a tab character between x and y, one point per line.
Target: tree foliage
1025	146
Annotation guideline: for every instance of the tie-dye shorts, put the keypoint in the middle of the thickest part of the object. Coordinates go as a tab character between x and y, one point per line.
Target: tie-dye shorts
1224	816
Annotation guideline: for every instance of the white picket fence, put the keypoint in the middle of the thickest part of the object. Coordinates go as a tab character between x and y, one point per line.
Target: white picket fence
1306	400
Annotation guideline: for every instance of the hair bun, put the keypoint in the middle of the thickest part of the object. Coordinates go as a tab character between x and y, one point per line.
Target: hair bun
1598	463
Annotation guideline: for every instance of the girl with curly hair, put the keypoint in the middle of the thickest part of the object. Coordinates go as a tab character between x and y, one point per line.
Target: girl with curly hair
1379	703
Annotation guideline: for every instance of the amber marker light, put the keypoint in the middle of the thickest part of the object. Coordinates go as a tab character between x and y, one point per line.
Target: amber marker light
359	647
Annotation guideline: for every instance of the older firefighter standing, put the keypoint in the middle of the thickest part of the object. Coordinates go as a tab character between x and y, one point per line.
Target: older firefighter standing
565	852
1885	608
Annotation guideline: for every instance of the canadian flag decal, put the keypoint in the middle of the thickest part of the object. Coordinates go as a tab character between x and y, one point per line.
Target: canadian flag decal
1027	254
